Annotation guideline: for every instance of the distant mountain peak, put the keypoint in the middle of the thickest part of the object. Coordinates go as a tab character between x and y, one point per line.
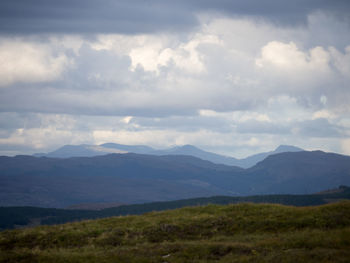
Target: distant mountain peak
187	147
288	148
85	150
142	149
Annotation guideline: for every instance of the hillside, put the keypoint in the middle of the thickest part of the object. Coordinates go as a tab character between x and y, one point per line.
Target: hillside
252	160
135	178
122	178
232	233
299	173
15	217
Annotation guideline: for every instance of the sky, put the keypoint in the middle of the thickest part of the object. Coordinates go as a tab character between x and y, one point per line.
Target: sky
235	77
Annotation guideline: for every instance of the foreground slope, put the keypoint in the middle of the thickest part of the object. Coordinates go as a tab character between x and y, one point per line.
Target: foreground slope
233	233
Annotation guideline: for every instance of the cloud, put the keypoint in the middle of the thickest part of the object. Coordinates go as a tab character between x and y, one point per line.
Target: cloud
341	61
257	127
132	17
29	62
296	69
345	146
232	133
185	56
231	78
320	127
165	75
287	57
91	16
27	133
309	74
279	12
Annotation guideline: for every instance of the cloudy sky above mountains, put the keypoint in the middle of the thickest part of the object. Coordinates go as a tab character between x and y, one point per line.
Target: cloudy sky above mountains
234	77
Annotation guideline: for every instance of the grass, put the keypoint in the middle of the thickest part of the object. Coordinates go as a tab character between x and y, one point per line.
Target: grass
213	233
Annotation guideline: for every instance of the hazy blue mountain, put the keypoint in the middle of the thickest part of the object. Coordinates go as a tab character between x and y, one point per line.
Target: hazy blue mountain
142	149
221	159
298	173
68	151
85	150
196	152
135	178
254	159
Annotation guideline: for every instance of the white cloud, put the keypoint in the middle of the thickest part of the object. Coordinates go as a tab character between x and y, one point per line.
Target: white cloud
293	64
29	62
185	55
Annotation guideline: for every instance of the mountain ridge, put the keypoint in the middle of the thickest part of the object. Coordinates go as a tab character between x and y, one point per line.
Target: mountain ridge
136	178
85	150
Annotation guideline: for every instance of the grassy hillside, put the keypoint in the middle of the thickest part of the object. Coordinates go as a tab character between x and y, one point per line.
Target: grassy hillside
12	217
231	233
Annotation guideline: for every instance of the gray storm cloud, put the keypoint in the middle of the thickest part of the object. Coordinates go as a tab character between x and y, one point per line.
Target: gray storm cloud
138	16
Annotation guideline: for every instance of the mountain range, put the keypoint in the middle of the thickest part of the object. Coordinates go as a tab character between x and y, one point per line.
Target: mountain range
85	150
139	178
